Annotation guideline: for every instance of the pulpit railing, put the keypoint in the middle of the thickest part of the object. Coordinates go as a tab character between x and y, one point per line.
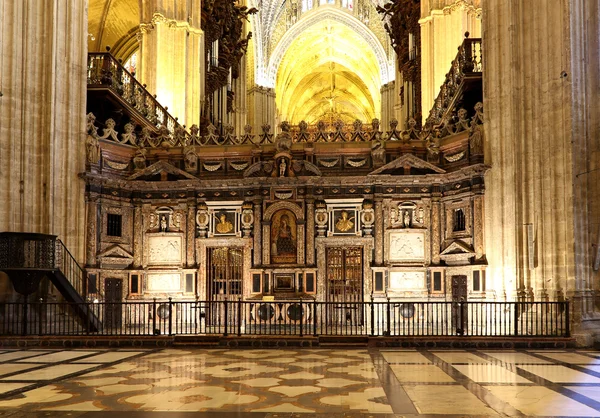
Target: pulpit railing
105	71
467	63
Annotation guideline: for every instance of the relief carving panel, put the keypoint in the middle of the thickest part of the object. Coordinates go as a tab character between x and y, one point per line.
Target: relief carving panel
164	249
407	280
164	282
407	246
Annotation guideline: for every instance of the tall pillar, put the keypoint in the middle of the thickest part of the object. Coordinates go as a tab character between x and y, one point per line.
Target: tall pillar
584	75
43	62
240	108
172	56
262	109
443	25
541	130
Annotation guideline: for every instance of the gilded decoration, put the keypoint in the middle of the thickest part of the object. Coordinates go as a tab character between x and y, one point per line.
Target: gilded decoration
223	225
344	223
283	238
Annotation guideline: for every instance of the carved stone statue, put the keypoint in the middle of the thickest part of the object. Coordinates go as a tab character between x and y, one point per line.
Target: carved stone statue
139	159
163	223
191	158
406	219
378	150
393	216
283	141
92	147
282	166
476	140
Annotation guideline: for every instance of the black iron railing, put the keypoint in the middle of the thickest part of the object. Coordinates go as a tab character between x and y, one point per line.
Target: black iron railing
291	318
104	70
468	63
68	266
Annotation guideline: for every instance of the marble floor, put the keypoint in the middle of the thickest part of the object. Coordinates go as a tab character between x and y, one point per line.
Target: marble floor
278	383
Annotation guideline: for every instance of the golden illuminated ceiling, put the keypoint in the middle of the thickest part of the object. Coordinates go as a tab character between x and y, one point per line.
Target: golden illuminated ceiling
113	23
328	72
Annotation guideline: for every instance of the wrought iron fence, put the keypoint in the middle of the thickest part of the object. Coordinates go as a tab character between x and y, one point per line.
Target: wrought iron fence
289	318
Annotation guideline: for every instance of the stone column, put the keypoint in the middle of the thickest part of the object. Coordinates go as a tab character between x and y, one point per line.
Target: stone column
436	231
266	248
138	234
443	25
172	56
541	130
262	109
240	108
584	74
92	230
388	105
191	234
42	119
379	232
310	232
257	233
478	242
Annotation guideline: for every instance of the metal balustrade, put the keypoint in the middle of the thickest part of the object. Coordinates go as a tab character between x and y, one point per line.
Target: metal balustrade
290	318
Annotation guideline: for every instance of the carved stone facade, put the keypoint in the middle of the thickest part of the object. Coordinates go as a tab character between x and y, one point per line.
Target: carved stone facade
303	231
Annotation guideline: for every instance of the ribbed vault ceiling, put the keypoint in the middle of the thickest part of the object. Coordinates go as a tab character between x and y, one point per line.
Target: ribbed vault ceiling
112	23
328	72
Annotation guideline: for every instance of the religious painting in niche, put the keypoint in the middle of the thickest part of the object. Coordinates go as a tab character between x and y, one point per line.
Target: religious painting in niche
224	223
283	237
344	221
284	282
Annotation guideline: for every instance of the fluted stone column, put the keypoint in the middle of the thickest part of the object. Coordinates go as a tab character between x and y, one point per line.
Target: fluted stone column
43	61
172	56
389	105
443	25
541	130
262	109
584	74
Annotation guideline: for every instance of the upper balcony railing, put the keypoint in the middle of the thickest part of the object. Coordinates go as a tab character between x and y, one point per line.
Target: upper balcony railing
467	65
105	71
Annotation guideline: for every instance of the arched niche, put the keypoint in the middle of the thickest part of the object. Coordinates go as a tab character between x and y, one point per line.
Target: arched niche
274	213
